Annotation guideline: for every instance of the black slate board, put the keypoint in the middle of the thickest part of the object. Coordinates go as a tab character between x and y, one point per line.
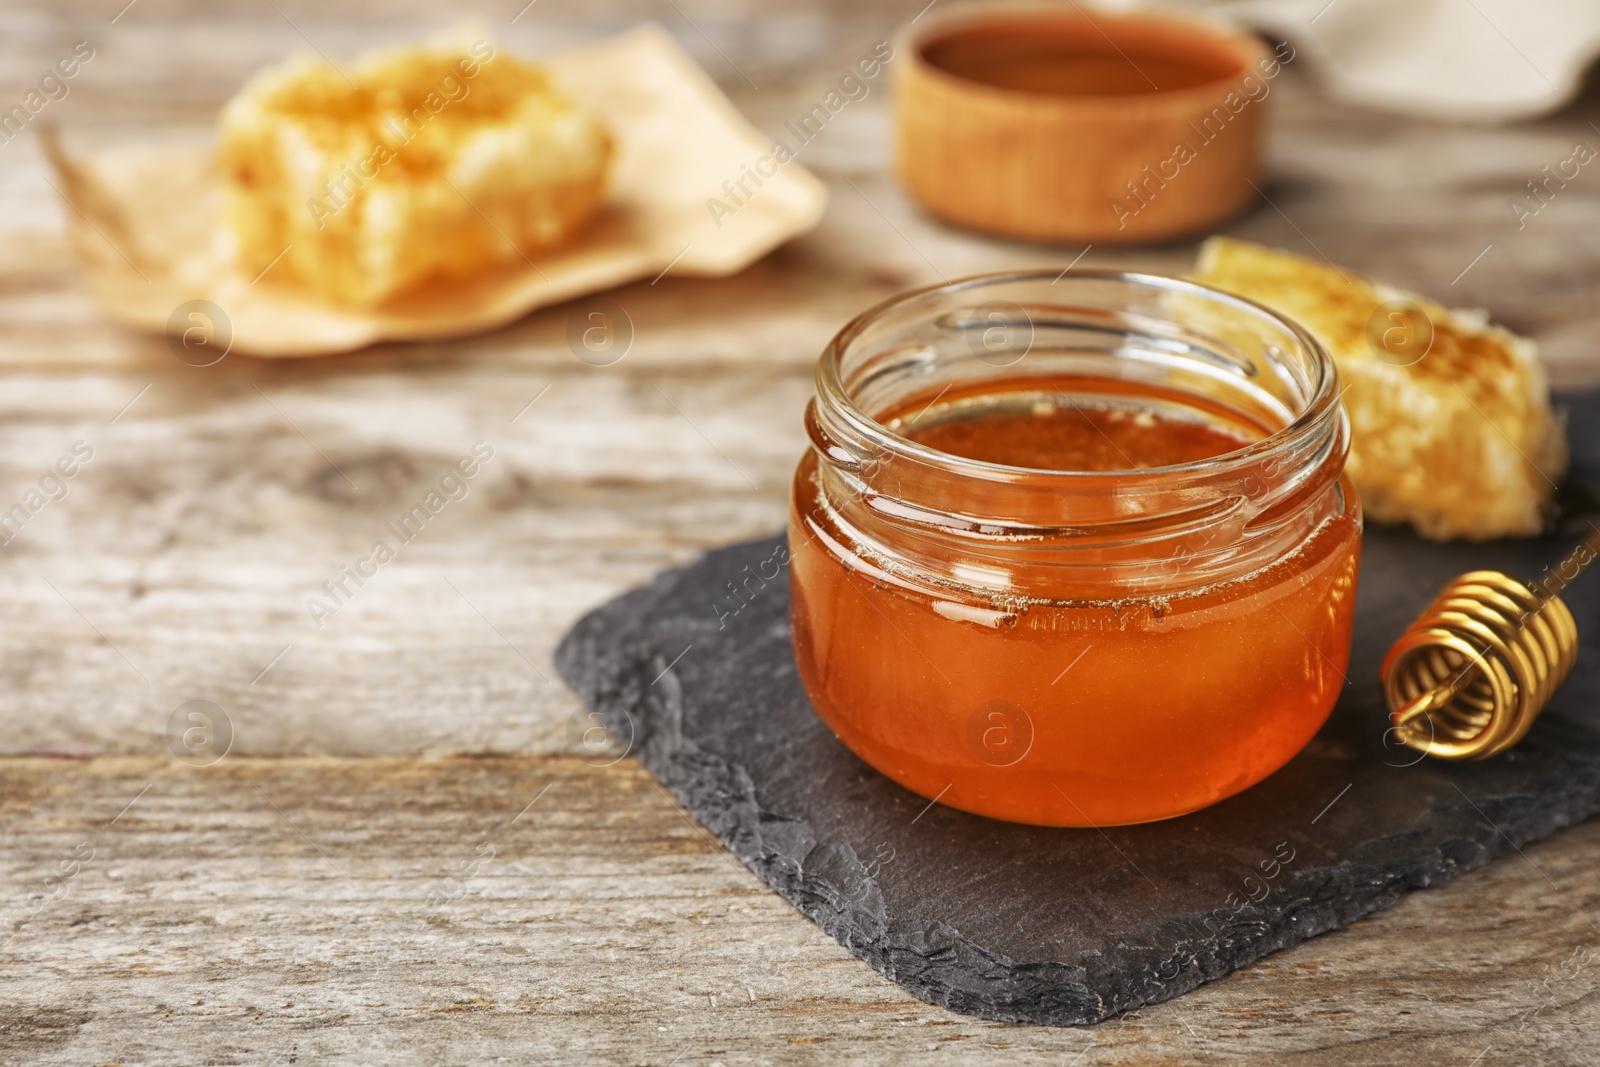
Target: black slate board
1057	926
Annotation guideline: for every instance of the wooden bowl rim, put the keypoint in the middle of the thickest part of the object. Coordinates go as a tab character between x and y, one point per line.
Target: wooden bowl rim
1246	47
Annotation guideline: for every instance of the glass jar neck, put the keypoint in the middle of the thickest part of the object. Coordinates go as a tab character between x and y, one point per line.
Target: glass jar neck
932	516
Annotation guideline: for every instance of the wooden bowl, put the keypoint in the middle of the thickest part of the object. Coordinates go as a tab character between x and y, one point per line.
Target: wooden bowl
1059	122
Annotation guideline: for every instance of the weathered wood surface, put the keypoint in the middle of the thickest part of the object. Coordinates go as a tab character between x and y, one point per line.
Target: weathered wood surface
218	500
180	562
276	911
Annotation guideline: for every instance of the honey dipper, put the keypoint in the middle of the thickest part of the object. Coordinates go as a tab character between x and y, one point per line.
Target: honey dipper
1469	676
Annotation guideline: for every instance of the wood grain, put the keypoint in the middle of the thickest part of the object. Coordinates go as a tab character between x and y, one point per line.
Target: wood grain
280	908
218	500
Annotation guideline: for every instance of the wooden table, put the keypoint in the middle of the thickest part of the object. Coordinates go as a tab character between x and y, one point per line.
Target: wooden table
274	907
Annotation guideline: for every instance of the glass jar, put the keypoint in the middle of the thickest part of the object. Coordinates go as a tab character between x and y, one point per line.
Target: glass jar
1074	647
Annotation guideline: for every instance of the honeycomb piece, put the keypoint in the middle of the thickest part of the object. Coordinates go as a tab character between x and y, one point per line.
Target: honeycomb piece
1452	428
418	165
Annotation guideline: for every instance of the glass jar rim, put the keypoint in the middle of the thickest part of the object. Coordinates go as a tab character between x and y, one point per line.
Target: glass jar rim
1321	407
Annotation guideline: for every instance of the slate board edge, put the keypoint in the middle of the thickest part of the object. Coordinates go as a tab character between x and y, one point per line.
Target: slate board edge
627	681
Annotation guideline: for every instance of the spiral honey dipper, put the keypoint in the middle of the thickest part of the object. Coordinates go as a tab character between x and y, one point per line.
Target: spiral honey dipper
1469	676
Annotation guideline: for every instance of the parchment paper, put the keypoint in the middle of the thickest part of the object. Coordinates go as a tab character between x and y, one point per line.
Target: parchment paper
146	225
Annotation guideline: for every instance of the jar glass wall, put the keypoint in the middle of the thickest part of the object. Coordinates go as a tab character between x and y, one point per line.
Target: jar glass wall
1074	550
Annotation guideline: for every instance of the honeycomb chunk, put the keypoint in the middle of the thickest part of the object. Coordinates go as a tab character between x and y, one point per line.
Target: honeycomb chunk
1451	425
424	164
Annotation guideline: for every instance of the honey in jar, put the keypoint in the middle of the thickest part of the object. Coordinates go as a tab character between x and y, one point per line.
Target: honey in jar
1075	553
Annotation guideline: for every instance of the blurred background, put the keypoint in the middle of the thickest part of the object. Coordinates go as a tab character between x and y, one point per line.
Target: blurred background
215	502
220	499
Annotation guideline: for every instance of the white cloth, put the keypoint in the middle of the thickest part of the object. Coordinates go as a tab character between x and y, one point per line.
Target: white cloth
1481	61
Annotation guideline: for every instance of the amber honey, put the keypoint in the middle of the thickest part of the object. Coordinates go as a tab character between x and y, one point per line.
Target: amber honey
1062	55
1074	598
1067	424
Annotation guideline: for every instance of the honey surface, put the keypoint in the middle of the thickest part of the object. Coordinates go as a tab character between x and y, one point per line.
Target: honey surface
1073	711
1061	435
1072	58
